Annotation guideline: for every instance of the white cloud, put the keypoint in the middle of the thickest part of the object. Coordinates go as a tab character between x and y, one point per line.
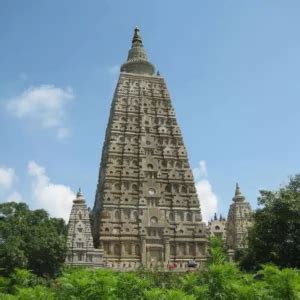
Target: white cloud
63	133
7	176
14	197
208	199
201	171
45	104
55	198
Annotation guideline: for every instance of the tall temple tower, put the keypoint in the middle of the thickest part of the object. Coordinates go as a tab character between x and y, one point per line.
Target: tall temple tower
146	208
238	221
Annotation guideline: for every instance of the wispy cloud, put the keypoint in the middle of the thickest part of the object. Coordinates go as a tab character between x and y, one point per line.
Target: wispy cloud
55	198
200	171
14	197
45	105
63	133
7	176
208	199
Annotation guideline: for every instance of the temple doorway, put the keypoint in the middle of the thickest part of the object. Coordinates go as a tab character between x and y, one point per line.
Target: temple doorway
154	257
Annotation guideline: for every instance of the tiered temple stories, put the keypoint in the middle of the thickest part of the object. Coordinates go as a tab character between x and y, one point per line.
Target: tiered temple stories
81	251
146	209
238	221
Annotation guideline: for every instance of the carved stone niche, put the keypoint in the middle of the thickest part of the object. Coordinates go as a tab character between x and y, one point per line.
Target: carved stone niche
200	230
151	188
110	198
142	202
114	147
174	174
149	164
182	151
178	201
157	89
148	142
133	101
180	231
168	151
129	199
110	171
105	214
176	130
162	202
188	175
127	172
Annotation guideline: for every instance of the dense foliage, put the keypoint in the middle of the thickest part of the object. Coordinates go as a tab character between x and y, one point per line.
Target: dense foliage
275	236
218	280
31	240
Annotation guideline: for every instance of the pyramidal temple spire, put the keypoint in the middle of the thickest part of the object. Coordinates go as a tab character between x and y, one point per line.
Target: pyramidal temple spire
137	39
238	196
146	211
137	60
237	190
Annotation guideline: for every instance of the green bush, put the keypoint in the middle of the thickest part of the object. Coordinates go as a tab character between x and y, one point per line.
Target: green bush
86	284
215	282
131	287
281	284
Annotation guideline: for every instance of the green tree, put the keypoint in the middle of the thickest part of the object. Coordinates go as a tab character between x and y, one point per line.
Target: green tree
36	293
130	286
220	279
30	239
159	278
154	294
217	255
280	284
275	236
86	284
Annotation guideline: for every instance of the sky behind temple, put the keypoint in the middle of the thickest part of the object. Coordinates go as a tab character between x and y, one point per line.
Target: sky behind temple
232	69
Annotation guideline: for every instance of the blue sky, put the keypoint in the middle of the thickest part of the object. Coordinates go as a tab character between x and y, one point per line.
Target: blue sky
232	68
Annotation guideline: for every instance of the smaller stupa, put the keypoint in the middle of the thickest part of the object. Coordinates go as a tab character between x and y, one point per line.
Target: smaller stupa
81	251
239	220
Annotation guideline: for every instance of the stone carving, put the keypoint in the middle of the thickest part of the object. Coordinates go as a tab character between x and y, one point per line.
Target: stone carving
239	219
146	208
81	251
217	227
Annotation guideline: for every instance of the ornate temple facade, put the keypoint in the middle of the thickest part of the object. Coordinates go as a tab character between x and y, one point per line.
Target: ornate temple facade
146	208
217	227
81	251
238	221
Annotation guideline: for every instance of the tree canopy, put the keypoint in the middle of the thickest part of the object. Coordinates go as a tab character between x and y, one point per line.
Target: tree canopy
30	239
275	236
217	280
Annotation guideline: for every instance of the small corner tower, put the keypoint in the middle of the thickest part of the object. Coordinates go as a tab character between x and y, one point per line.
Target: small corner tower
217	227
81	251
239	219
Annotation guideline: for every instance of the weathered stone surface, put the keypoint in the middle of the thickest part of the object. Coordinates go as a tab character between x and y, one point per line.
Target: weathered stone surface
238	221
217	227
146	209
81	251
